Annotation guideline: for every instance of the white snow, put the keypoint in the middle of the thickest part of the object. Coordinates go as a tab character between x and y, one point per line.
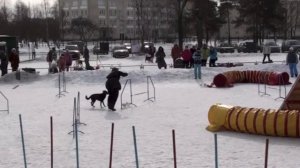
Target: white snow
181	104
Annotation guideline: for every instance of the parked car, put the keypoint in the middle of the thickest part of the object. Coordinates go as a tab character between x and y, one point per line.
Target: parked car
74	51
225	48
80	45
96	49
147	46
248	47
290	43
120	52
128	46
275	48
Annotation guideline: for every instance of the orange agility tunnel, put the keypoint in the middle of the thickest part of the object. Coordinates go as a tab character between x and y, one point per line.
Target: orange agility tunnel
271	122
227	79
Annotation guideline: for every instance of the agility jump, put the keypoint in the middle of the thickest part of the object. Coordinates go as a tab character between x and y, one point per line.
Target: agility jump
149	97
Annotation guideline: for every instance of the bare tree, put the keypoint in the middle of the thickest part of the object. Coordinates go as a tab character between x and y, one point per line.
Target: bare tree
84	28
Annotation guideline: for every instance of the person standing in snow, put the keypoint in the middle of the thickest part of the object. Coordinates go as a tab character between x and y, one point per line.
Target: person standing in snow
204	54
113	87
14	59
197	63
160	58
292	61
3	63
175	53
187	57
212	57
86	55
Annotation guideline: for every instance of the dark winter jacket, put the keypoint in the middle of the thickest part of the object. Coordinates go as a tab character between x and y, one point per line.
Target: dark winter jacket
86	54
14	60
3	61
113	83
292	58
197	57
160	58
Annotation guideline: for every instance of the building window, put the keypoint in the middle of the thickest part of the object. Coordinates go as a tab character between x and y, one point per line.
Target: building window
112	12
102	12
112	3
75	4
101	2
84	3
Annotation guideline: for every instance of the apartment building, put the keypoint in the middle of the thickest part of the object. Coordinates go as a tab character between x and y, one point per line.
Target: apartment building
117	19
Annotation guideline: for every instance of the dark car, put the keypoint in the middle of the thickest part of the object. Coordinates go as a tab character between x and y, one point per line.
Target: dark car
290	43
101	48
275	48
225	48
74	51
248	47
120	52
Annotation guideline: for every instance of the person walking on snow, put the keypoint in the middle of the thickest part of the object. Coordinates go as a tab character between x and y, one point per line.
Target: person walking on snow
197	63
266	52
113	86
160	58
292	61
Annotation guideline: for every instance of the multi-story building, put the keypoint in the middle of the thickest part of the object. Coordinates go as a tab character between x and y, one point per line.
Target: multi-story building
117	19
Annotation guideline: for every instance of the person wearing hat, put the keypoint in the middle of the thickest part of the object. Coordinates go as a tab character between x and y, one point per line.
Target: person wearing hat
14	60
113	87
292	61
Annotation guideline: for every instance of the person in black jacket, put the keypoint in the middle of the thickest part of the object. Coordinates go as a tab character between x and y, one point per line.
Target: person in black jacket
113	86
292	61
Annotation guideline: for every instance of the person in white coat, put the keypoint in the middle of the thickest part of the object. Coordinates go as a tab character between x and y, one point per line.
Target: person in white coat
266	52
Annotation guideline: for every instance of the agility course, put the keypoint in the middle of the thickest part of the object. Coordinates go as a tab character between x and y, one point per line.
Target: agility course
227	79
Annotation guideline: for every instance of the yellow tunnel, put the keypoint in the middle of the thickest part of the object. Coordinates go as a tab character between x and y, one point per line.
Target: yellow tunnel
254	120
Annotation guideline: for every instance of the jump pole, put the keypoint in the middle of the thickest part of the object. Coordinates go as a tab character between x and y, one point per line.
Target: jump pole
216	150
23	144
266	153
174	148
135	147
51	136
111	145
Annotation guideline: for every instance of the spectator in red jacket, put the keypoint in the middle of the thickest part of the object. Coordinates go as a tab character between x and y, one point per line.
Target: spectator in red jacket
187	57
14	60
175	53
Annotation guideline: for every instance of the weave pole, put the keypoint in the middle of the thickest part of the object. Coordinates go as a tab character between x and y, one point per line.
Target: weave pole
135	147
216	150
77	150
111	145
174	149
23	144
266	153
51	138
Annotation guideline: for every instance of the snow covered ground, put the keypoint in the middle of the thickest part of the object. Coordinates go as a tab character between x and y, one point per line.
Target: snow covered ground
182	104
